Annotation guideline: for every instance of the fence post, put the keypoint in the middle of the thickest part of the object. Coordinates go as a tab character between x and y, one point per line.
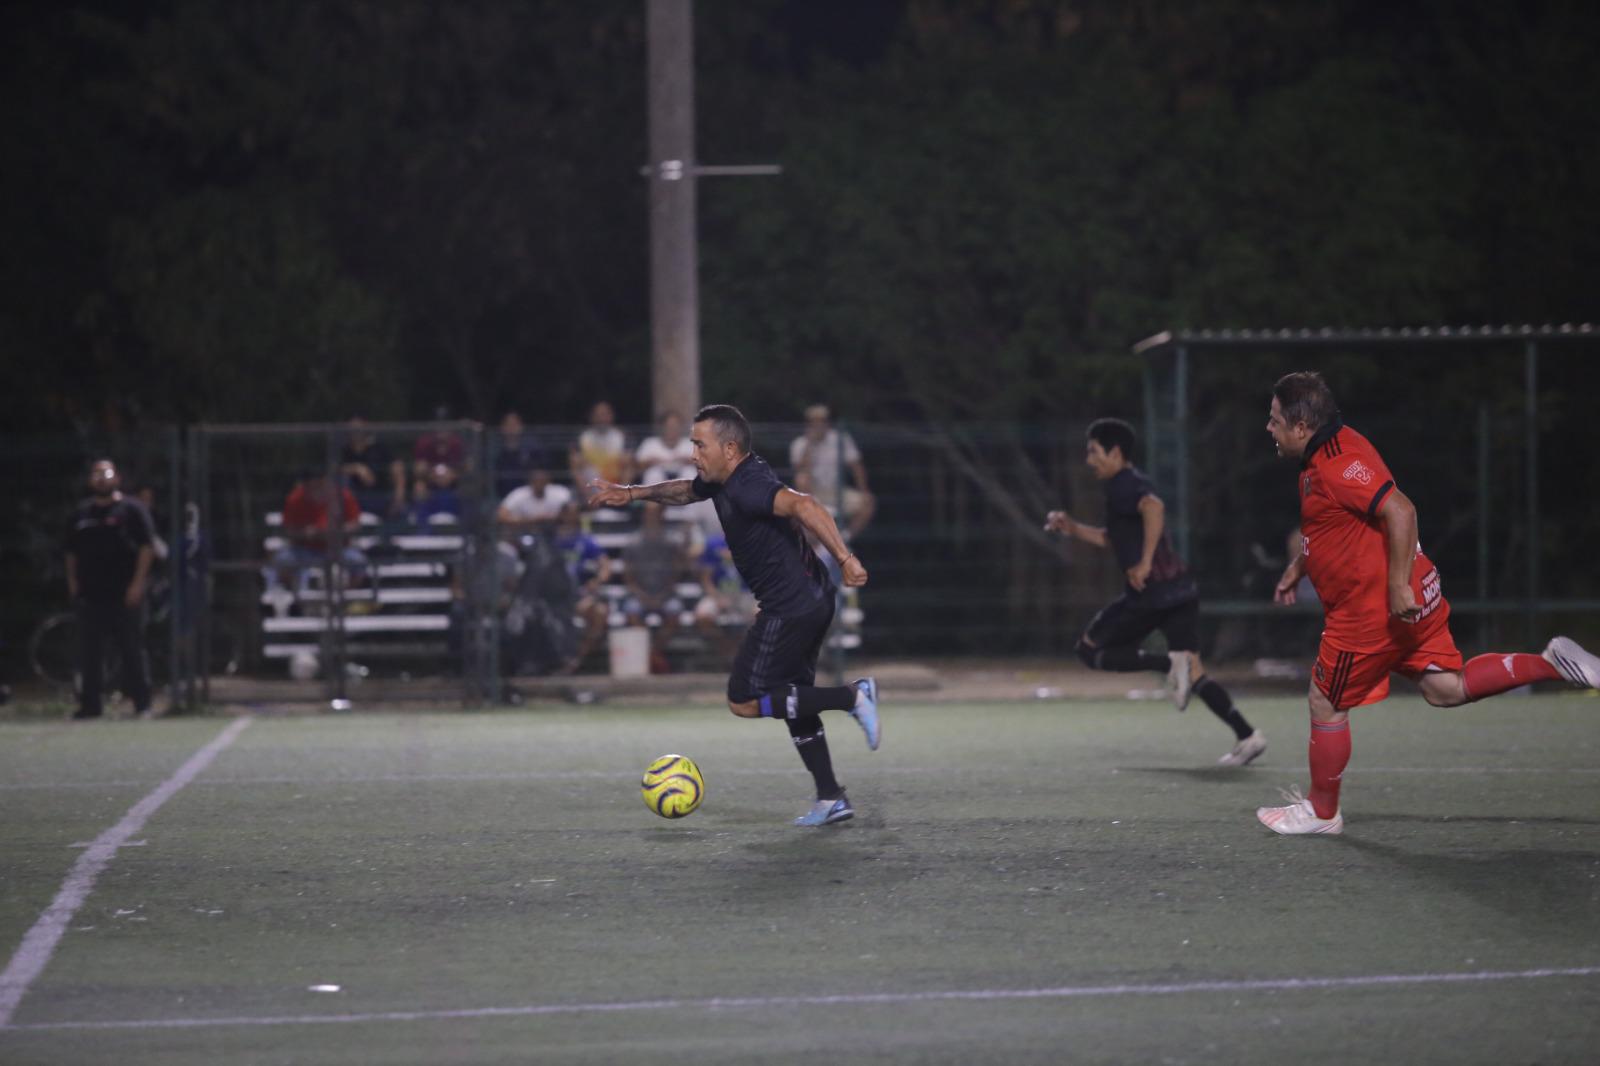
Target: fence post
1531	429
175	567
1483	525
1180	413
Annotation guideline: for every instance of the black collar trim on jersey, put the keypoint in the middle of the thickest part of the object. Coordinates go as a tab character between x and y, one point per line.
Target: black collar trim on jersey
1323	439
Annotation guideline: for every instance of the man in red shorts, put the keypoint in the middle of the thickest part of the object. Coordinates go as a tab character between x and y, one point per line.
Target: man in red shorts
1384	608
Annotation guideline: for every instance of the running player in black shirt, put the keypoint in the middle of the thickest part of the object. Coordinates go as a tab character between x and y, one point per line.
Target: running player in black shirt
774	673
1161	593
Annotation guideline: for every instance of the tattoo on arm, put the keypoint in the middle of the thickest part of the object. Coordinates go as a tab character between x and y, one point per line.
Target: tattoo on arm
672	493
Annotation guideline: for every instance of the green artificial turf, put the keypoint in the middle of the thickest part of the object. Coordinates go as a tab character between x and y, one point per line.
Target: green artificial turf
1001	854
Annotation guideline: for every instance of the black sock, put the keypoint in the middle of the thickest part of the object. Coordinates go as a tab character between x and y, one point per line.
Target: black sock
1221	705
812	745
1129	660
804	701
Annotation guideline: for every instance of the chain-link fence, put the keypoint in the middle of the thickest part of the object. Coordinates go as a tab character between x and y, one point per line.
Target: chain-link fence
1493	448
41	486
444	561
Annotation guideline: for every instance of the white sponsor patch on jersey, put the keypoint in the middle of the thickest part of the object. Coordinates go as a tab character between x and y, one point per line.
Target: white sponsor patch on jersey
1358	471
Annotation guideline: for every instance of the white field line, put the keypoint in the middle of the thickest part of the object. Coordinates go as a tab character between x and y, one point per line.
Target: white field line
737	771
864	999
33	954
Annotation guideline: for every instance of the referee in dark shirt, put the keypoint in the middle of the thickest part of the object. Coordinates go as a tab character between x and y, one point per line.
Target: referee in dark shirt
1160	594
109	552
774	673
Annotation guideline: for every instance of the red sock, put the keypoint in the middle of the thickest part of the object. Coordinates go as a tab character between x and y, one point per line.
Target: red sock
1329	755
1488	675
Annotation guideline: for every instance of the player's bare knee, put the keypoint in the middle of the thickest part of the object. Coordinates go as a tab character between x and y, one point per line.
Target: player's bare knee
750	709
1322	708
1443	689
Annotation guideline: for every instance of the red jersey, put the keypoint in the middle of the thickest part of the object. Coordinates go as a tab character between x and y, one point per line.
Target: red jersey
304	511
1343	480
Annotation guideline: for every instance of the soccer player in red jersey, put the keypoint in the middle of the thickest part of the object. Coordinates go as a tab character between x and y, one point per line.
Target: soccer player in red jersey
1384	608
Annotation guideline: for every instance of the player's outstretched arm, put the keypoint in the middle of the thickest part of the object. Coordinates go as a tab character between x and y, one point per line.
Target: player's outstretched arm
820	524
1284	591
1063	523
672	493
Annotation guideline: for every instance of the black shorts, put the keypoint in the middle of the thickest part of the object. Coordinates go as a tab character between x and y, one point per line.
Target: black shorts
779	651
1124	623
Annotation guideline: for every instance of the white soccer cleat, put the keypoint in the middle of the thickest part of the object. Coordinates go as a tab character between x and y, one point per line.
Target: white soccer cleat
1572	662
1244	753
1298	818
1179	678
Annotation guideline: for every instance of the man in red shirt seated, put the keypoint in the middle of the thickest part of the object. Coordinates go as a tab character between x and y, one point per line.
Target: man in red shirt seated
306	531
1382	598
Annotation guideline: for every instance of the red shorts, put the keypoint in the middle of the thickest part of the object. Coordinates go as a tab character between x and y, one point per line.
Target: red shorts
1356	678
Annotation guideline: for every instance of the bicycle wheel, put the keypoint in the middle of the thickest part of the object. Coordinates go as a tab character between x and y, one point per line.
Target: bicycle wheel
53	653
53	650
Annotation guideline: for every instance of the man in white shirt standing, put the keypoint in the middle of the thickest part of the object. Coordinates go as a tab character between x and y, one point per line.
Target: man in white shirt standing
818	456
601	450
669	456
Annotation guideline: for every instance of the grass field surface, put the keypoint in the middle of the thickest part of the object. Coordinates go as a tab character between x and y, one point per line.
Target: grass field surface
1031	882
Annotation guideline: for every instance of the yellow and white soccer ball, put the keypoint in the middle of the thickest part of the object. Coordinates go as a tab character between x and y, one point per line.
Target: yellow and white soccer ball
672	786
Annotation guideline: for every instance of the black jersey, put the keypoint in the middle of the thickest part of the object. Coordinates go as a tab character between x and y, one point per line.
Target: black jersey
105	539
1169	581
770	552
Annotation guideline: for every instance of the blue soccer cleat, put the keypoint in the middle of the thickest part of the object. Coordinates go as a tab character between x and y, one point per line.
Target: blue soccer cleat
826	812
865	712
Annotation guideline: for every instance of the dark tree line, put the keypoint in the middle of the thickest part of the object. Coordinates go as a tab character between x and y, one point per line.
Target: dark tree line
261	210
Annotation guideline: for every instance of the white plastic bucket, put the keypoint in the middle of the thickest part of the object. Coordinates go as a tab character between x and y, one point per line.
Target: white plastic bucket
630	651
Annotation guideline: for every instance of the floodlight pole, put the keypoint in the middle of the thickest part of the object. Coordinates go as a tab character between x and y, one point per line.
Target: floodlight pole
674	284
673	172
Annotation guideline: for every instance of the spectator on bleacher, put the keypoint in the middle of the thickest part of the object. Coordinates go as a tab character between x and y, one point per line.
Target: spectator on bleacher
516	454
374	473
109	556
669	456
531	508
819	456
434	498
438	447
653	564
726	604
601	450
590	568
306	532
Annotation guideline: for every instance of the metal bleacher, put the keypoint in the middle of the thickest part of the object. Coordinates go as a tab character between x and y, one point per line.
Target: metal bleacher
405	611
406	608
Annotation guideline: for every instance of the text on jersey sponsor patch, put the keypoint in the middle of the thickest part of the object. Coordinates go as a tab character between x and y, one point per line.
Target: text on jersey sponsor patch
1359	472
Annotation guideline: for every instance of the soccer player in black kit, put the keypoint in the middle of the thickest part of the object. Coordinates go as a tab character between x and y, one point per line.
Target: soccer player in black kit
1160	594
775	671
